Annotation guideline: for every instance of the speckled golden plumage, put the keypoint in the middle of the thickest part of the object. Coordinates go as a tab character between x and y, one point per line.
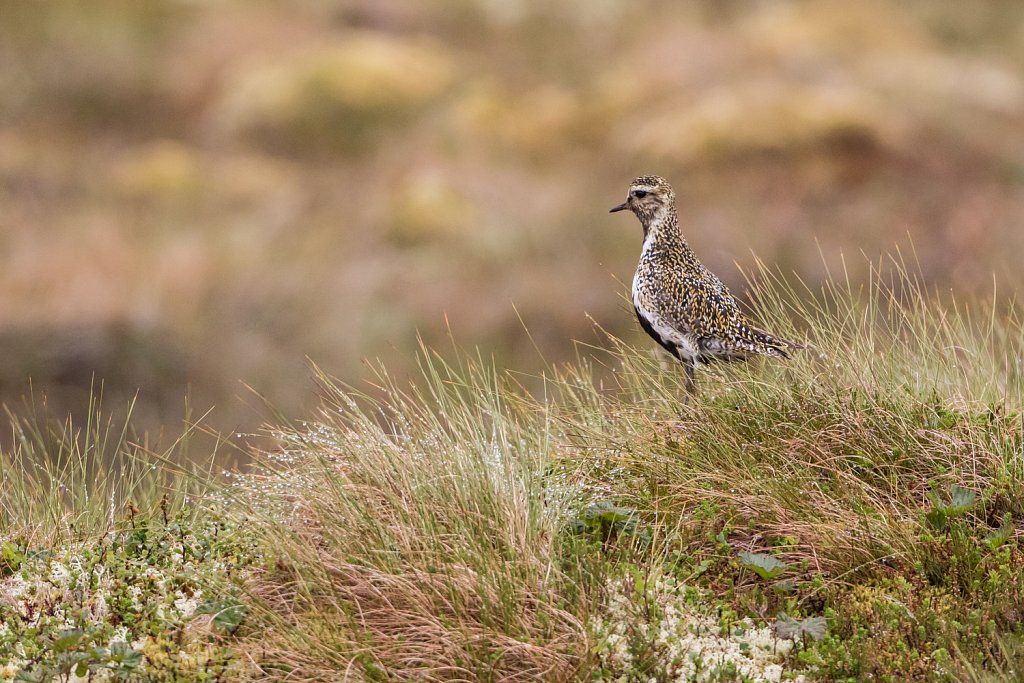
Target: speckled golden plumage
679	302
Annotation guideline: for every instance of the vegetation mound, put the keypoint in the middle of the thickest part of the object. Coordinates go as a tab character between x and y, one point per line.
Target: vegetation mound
856	512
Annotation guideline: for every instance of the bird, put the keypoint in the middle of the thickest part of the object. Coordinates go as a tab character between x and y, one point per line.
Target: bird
681	304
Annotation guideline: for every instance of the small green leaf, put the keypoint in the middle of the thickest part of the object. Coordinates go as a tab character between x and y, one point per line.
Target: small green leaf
228	619
606	513
815	627
227	616
765	566
787	627
39	554
605	517
702	567
66	640
998	537
936	518
123	656
961	500
10	558
26	676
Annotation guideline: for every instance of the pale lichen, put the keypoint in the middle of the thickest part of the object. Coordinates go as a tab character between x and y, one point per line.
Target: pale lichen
656	629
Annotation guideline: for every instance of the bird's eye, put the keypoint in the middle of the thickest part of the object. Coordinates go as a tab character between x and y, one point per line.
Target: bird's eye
640	194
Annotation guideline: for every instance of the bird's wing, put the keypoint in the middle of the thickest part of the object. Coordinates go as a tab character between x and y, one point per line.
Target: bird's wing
705	306
713	315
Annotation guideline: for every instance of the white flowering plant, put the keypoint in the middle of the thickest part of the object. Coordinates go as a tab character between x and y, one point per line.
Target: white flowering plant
148	600
656	629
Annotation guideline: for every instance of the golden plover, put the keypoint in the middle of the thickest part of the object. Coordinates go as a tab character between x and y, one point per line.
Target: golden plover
679	302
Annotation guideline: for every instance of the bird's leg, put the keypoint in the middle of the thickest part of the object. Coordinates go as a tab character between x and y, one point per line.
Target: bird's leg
691	381
691	390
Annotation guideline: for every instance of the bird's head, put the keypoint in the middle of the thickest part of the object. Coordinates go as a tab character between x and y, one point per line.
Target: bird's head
649	196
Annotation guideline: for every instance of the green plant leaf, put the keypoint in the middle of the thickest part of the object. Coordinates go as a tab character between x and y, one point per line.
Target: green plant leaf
787	627
10	558
765	566
998	537
961	500
26	676
702	568
604	517
227	616
815	627
122	655
936	518
604	512
68	639
228	619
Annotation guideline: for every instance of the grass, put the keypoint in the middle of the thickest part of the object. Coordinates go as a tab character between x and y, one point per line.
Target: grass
853	513
109	569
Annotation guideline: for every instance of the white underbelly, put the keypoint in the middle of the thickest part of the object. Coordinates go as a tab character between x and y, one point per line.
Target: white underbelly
686	344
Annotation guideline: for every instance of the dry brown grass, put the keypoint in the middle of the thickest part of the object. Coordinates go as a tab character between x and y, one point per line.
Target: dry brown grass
413	542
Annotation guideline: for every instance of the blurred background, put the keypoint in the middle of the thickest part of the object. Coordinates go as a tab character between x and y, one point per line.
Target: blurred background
197	197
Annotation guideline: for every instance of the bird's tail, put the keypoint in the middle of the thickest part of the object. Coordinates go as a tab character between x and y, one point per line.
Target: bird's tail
775	346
